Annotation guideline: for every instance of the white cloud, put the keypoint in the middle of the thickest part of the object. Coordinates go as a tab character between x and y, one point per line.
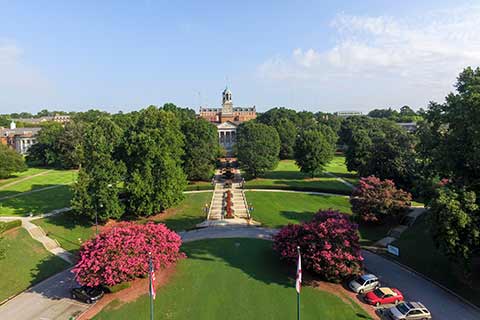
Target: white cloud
420	55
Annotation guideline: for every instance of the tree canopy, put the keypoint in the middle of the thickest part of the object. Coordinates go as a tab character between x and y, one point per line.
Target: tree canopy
10	162
314	149
258	146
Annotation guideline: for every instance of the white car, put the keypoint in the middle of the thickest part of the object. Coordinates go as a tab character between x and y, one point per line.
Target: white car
364	283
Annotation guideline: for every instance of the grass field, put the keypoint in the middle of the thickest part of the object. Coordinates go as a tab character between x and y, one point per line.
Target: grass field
25	264
188	213
287	175
276	209
234	279
37	203
418	251
16	200
20	175
70	231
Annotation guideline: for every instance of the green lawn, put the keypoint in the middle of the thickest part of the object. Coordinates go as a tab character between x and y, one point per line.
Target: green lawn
276	209
53	177
20	175
70	231
37	202
188	213
418	251
25	264
44	201
234	279
287	175
199	185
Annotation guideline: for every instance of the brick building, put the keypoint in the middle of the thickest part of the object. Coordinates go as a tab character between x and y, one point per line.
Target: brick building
227	118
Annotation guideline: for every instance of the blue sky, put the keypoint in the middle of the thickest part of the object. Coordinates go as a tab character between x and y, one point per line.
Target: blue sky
314	55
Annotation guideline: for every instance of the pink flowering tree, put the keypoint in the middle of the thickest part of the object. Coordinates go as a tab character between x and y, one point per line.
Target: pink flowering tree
375	200
329	245
121	253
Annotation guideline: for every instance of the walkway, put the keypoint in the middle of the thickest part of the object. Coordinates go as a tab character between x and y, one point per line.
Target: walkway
48	300
39	234
217	210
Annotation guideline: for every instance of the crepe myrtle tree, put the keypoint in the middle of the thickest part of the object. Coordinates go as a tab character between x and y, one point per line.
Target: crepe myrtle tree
329	245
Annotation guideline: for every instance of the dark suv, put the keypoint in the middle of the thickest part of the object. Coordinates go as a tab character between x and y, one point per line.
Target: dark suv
87	294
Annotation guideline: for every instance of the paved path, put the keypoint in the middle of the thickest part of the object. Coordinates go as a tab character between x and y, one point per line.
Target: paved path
48	300
37	233
340	179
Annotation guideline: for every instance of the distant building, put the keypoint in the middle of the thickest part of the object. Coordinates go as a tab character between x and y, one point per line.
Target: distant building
409	126
56	118
345	114
227	118
20	139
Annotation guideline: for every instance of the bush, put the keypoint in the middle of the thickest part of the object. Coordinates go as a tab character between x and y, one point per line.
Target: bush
4	226
375	200
120	253
329	245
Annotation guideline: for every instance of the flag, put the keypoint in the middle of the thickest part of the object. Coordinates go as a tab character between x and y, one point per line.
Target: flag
298	282
152	280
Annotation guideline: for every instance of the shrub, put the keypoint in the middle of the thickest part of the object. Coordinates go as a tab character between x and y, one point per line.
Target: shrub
329	245
120	253
375	200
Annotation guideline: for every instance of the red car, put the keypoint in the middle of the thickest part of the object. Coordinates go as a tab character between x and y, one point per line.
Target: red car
383	296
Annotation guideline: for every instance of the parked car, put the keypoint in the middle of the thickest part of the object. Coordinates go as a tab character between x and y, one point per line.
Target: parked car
408	311
87	294
364	283
383	296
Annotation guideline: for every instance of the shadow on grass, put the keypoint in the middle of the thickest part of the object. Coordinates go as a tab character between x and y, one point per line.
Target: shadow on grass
252	256
298	216
36	202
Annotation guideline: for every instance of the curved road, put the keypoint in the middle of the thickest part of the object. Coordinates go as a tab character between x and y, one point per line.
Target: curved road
49	299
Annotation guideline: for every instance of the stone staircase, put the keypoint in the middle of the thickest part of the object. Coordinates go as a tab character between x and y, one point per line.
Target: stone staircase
217	211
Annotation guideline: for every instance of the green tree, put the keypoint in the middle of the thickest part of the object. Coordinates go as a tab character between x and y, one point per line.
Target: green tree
154	147
287	133
69	145
313	150
201	149
381	148
449	148
97	189
46	151
257	147
10	162
455	223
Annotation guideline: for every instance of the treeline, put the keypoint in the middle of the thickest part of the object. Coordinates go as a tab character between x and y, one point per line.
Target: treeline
406	114
136	163
282	133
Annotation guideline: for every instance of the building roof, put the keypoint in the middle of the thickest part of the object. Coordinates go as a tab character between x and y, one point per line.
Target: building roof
19	131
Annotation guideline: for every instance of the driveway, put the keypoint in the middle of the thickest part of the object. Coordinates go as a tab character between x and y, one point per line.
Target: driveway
48	300
442	305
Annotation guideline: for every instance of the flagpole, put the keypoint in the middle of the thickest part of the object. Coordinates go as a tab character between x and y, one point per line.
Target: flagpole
150	267
298	291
